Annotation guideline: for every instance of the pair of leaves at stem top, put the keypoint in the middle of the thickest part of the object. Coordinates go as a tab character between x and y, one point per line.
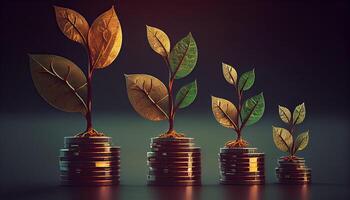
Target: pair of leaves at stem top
226	113
147	94
103	40
182	58
58	80
245	82
283	138
297	117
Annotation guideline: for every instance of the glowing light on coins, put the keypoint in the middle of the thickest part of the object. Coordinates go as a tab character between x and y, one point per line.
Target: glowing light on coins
102	164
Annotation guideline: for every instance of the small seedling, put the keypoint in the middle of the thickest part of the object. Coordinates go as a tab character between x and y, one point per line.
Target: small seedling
245	114
61	82
149	96
283	138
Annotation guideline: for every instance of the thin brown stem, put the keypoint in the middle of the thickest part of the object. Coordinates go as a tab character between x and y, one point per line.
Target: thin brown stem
88	116
238	135
240	106
291	130
239	110
171	111
171	104
89	103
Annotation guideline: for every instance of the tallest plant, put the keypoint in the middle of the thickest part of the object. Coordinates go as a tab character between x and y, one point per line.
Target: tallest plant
62	83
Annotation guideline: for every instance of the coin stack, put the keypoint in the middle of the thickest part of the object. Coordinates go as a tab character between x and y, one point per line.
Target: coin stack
241	166
293	171
89	161
174	161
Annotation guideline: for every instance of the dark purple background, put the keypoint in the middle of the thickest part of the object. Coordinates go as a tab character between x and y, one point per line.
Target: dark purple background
300	50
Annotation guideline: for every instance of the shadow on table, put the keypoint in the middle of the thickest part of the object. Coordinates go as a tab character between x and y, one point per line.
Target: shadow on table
253	192
301	192
249	192
229	192
59	192
175	192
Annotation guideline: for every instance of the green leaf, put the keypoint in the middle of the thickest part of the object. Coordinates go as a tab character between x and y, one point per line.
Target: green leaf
148	96
299	114
224	112
253	109
285	114
282	138
301	141
229	73
186	95
183	57
60	82
246	81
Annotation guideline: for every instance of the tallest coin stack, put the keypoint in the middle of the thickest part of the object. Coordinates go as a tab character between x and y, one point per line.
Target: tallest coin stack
174	161
89	161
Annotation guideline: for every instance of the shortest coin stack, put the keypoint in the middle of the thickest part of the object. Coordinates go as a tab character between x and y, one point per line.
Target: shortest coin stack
293	171
241	166
89	161
174	161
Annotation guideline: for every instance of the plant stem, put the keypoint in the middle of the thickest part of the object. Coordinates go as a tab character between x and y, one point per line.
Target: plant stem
291	130
88	115
171	99
171	103
239	109
89	103
238	135
171	110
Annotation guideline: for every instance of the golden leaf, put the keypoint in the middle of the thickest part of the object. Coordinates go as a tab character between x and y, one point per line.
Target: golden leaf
72	24
158	41
225	112
105	39
282	138
285	114
230	73
148	95
60	82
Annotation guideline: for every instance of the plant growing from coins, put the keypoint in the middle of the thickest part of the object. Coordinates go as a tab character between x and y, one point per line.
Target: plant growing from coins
245	114
283	137
61	82
149	96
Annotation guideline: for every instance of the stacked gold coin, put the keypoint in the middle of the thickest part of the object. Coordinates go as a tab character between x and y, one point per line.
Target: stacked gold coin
293	171
174	161
241	166
89	161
